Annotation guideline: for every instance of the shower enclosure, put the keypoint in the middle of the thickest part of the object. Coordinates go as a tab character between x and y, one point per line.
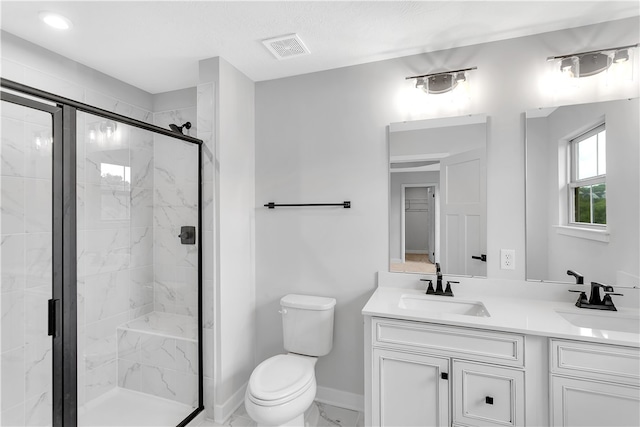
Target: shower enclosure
101	266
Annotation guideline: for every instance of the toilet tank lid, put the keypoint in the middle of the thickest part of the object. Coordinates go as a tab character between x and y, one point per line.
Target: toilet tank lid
307	302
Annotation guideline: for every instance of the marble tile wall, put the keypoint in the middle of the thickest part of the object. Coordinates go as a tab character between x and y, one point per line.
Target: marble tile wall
163	366
115	244
206	114
175	201
115	241
26	259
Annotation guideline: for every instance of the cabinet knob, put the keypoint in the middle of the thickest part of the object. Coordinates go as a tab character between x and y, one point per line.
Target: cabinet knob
488	400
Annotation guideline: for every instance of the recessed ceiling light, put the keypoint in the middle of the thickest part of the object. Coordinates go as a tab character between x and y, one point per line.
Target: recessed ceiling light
54	20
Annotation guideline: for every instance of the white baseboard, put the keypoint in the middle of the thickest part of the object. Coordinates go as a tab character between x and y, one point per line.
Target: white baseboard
396	260
417	251
224	411
341	399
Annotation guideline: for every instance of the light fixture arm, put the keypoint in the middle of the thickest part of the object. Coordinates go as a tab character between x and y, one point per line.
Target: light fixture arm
441	73
553	58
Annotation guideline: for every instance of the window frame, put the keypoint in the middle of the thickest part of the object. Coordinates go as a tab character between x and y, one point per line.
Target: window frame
574	182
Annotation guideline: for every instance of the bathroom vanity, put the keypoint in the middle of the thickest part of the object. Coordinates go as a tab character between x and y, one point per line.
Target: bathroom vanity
490	357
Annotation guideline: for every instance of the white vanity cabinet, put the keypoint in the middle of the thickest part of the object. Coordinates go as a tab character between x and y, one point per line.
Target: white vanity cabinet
425	374
594	384
412	389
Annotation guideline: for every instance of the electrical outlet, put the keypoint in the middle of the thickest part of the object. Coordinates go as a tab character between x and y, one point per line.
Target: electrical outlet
507	259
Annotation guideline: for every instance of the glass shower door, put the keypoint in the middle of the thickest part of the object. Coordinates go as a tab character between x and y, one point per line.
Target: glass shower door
27	260
100	266
138	279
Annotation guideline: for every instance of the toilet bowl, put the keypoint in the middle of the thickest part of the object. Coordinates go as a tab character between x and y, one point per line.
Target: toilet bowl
283	387
280	389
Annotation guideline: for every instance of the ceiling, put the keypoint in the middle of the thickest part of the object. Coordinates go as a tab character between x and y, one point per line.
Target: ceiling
156	45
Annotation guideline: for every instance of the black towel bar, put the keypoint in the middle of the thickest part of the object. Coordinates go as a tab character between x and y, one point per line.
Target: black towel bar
272	205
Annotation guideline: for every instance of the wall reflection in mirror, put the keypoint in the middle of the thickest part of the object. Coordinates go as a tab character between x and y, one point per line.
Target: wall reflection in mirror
582	197
437	196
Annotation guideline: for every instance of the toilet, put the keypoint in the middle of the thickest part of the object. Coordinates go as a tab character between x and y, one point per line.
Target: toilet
282	387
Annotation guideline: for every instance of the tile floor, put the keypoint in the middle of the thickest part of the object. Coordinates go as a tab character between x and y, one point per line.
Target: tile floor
319	415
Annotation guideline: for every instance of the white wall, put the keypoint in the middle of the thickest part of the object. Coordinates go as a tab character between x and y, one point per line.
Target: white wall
35	66
321	137
229	136
236	198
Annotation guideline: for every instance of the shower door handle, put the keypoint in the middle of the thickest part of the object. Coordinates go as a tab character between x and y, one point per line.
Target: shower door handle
54	317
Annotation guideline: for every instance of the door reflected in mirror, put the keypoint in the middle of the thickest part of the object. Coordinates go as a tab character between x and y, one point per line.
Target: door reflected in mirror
582	198
437	196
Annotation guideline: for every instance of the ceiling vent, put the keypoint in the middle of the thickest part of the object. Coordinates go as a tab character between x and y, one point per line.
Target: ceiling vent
285	47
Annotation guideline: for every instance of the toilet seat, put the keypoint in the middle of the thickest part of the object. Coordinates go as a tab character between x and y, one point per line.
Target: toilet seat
281	379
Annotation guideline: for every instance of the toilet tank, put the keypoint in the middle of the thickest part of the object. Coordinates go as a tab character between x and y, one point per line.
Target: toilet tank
307	324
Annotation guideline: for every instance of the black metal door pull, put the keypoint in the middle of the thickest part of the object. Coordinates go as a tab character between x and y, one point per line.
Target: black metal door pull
272	205
54	317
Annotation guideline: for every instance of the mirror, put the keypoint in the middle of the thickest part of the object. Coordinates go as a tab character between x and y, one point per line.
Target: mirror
437	196
582	197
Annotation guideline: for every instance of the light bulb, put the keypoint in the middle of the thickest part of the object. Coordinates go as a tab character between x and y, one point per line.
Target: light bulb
621	55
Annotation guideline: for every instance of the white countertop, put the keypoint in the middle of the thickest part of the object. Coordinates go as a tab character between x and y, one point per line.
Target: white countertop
522	315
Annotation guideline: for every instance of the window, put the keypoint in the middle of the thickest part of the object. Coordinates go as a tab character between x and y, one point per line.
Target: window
588	191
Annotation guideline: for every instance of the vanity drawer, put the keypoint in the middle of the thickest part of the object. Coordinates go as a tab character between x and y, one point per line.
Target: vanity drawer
487	395
480	345
596	361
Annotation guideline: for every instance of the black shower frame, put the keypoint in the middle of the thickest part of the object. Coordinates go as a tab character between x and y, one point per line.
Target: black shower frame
64	345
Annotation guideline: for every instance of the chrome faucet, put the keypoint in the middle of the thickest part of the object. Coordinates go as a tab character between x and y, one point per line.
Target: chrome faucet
594	301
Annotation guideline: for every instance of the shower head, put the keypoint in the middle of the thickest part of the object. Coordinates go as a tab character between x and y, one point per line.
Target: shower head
177	128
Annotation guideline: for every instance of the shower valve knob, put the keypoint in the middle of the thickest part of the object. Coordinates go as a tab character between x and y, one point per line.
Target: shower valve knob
187	235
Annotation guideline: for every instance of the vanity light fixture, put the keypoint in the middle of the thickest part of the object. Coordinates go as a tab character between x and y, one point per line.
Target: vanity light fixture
585	64
443	82
100	131
54	20
108	127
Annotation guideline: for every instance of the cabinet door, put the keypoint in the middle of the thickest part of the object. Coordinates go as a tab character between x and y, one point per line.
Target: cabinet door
586	403
487	395
408	389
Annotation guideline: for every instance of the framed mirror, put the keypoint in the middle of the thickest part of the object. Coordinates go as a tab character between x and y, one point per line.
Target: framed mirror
437	196
582	192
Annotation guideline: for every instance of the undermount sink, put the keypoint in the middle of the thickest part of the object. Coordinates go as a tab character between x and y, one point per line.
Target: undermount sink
608	321
440	304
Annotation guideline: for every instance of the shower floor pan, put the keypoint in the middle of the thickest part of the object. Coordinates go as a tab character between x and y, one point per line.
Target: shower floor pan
122	407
